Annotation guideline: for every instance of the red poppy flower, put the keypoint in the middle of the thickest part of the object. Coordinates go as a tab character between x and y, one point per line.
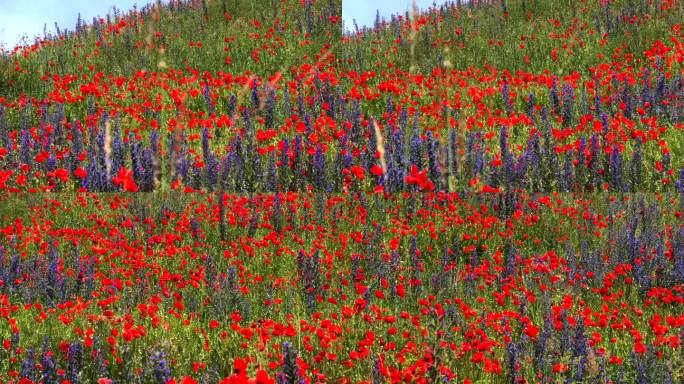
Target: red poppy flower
420	178
80	173
125	178
639	348
62	174
358	172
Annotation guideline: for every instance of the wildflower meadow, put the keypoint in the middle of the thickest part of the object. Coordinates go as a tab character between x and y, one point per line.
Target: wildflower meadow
258	191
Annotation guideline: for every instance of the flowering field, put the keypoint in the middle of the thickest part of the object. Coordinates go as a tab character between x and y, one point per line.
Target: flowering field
234	191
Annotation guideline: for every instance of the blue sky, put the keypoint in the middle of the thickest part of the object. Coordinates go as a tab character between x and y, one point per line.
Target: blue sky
28	17
364	10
